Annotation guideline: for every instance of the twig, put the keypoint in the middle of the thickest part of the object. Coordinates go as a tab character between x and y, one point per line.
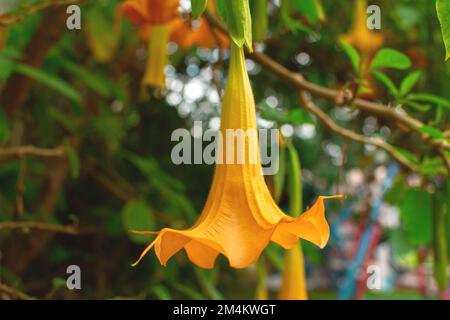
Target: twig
31	151
70	230
14	293
343	97
325	119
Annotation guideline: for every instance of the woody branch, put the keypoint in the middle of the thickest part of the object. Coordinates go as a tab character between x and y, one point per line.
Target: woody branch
345	97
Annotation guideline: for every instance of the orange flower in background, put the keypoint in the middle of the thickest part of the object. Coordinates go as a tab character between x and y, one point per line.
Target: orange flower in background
158	14
240	217
160	22
293	286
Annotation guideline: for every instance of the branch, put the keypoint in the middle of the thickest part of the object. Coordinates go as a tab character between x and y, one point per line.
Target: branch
70	230
31	151
314	109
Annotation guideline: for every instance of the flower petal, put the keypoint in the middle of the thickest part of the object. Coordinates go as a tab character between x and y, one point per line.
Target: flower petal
135	11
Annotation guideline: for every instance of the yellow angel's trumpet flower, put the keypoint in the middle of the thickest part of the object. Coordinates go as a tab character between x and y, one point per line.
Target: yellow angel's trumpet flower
240	217
360	36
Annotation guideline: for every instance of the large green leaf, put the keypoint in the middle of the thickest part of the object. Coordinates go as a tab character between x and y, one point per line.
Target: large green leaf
390	58
433	132
443	11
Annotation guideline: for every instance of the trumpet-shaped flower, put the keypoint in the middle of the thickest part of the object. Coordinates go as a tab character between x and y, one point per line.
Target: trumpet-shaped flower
240	217
160	22
365	40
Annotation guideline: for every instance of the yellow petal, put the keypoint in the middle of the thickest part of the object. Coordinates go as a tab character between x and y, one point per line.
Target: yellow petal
157	57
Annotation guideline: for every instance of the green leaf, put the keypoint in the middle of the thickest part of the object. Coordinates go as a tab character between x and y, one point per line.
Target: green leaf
4	127
408	155
433	132
390	58
418	106
273	114
240	22
309	8
137	215
384	79
222	9
352	54
409	82
74	162
443	11
286	10
426	97
259	13
89	79
50	80
416	214
440	230
198	7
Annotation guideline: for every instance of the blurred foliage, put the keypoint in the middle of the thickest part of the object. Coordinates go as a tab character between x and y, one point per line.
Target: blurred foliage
86	97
